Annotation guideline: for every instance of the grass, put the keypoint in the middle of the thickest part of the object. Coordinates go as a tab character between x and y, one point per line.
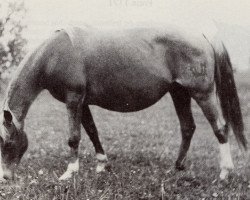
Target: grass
142	148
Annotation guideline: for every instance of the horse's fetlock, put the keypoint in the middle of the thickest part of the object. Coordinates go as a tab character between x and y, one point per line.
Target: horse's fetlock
222	135
73	141
188	132
180	165
193	127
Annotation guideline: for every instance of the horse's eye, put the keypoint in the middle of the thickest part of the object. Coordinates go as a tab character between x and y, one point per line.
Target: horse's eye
9	145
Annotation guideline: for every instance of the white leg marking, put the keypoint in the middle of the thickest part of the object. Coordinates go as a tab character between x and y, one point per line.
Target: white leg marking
101	157
102	162
72	167
226	162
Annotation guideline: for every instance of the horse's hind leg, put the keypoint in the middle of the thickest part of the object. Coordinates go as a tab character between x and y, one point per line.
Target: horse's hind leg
74	106
182	103
211	109
90	128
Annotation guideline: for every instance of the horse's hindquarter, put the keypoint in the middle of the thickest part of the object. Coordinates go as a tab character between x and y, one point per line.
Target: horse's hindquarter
191	61
125	72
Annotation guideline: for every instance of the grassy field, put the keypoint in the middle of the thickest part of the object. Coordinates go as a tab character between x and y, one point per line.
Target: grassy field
142	148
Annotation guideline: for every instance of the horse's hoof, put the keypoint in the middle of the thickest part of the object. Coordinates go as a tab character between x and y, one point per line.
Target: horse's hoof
65	176
224	174
180	167
101	167
3	180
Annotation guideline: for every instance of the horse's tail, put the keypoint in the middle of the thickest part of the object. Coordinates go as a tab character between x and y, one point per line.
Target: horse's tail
227	92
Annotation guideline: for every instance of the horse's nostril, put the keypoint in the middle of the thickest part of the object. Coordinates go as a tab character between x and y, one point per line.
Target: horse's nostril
6	177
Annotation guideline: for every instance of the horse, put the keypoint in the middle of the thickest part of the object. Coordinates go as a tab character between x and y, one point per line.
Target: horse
123	70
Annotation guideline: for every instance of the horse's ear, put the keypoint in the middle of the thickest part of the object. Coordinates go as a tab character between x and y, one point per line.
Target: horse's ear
7	117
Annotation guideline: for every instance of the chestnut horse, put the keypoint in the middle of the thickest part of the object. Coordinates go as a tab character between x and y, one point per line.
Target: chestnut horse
125	71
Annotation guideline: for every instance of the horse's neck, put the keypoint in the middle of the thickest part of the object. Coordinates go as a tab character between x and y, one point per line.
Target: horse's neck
19	100
20	97
23	89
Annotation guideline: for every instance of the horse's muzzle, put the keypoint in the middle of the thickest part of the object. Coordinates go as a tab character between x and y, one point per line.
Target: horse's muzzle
7	174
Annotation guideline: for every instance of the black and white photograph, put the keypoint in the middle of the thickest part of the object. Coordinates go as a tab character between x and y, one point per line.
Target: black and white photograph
124	99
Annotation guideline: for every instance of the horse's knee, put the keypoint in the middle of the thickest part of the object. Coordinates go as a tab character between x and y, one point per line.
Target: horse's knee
188	131
74	141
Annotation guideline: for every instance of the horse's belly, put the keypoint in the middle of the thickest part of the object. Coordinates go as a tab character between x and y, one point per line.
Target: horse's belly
126	95
126	74
122	103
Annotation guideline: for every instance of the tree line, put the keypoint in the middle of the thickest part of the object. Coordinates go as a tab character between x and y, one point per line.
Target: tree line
12	42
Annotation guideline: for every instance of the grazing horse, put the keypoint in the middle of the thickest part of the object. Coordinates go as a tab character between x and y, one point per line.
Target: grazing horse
125	71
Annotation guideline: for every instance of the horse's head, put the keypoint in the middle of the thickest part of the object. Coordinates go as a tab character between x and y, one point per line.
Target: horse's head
13	144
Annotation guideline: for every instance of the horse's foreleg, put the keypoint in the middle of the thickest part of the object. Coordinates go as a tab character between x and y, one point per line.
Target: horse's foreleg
182	103
211	109
90	128
74	107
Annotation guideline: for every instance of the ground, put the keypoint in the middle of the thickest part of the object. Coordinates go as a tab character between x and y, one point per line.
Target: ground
141	147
